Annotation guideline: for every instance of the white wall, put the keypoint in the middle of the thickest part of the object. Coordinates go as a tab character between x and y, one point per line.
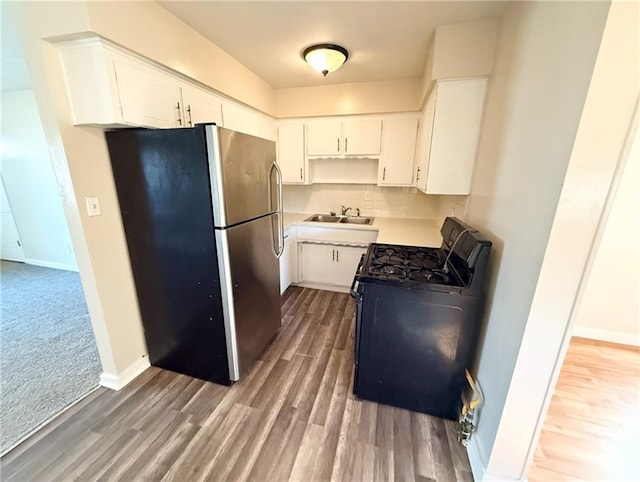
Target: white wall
544	60
611	302
402	202
460	50
354	98
31	185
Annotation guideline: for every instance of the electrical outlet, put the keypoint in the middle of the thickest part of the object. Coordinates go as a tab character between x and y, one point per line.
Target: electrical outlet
453	211
93	206
367	195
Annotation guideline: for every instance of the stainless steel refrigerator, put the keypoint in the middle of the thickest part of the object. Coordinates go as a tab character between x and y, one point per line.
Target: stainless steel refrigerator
202	213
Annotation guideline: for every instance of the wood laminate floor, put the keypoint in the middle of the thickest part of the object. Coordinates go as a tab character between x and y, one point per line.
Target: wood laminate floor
592	429
293	417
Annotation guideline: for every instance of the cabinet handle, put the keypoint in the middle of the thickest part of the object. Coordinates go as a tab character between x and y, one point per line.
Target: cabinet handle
346	144
337	255
301	174
333	256
179	114
338	144
418	175
189	112
384	173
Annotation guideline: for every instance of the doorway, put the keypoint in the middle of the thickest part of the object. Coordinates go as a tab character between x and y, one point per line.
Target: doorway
48	353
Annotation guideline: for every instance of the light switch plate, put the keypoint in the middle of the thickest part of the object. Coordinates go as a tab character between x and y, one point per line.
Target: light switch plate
367	195
93	206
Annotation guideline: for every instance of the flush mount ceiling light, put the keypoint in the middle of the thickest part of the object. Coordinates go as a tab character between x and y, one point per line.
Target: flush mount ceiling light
325	58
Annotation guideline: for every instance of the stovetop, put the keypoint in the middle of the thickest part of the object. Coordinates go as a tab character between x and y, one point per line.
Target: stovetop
407	263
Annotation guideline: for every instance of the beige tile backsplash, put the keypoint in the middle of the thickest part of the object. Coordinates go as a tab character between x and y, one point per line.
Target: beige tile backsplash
372	200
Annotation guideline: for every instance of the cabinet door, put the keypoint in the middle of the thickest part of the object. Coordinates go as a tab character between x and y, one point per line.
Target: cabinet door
317	263
455	136
148	97
285	267
347	259
424	142
324	138
398	152
238	118
291	152
200	106
362	137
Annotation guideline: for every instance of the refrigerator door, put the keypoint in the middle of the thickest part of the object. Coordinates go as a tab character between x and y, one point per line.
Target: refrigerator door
250	280
163	189
244	181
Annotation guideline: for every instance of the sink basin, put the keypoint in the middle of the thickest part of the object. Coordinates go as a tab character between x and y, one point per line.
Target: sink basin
323	218
356	220
327	218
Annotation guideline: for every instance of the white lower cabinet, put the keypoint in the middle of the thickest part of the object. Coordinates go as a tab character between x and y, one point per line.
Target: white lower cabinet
287	263
328	264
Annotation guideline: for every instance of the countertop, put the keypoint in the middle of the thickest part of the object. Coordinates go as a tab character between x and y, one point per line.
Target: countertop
407	231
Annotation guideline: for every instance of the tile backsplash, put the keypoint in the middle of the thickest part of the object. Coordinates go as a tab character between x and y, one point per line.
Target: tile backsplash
372	200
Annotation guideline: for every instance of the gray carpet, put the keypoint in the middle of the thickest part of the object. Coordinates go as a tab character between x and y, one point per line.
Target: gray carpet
48	354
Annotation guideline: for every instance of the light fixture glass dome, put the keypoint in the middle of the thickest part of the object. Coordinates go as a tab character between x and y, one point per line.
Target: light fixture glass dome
325	58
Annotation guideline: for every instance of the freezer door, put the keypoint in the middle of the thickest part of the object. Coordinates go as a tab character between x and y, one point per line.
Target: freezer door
250	277
243	178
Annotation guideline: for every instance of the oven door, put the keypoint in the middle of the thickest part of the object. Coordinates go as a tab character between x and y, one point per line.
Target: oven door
358	295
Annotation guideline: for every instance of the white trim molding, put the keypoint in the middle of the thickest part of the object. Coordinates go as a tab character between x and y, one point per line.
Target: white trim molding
119	381
51	264
607	335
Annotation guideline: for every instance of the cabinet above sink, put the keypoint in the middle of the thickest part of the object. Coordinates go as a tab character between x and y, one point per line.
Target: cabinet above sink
363	149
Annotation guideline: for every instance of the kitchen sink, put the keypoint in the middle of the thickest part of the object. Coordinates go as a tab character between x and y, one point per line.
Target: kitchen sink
327	218
356	220
323	218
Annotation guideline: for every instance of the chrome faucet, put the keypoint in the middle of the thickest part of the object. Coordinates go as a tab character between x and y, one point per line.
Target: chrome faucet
344	210
358	212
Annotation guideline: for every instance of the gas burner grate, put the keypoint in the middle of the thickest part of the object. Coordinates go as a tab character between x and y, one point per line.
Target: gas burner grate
387	271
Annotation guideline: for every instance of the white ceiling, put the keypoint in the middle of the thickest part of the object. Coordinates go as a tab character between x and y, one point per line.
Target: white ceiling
386	40
15	75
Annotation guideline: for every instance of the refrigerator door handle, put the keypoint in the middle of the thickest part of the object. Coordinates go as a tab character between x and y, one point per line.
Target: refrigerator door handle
280	212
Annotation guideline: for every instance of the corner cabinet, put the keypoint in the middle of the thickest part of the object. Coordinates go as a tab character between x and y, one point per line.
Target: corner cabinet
449	137
290	152
344	138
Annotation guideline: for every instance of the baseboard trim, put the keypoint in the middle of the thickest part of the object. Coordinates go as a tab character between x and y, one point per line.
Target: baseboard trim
319	286
607	335
474	452
51	264
119	381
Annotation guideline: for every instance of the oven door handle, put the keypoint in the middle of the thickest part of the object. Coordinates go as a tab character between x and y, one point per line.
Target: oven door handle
353	290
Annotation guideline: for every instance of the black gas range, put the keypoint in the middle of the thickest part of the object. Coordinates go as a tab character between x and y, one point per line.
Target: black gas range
418	319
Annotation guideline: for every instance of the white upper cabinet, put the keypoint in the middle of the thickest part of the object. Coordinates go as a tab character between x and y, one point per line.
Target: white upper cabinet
398	151
424	142
200	106
238	118
324	138
291	151
147	97
452	141
361	137
105	86
109	86
344	138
